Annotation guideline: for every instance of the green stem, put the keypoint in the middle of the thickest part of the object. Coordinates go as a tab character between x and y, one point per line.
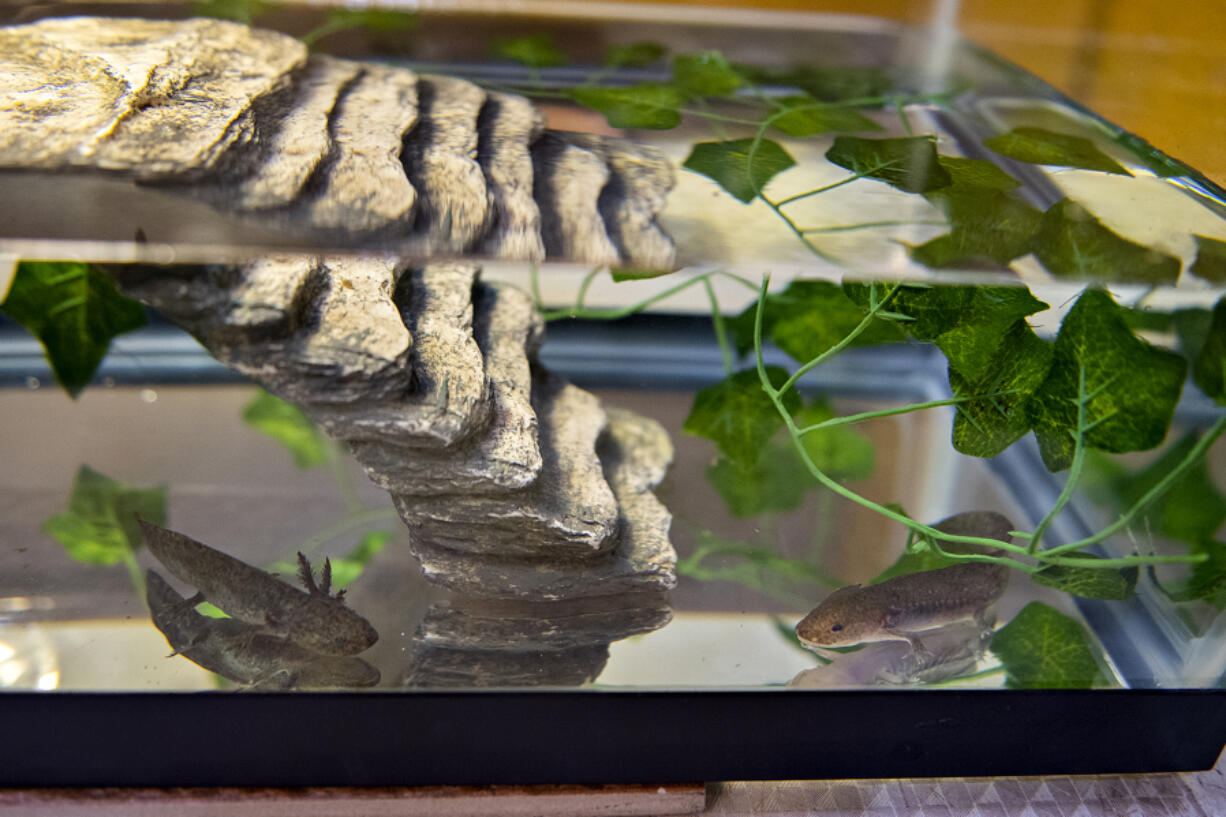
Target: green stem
583	288
328	28
847	340
621	312
901	108
338	468
1123	561
776	399
343	525
1193	456
721	332
813	248
872	415
1074	471
534	280
844	228
818	191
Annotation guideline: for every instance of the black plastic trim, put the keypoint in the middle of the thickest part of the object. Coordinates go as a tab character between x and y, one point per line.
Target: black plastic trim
577	736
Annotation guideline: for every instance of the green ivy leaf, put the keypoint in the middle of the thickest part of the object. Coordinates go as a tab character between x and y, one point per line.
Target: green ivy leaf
1209	365
1210	262
985	225
907	163
74	310
808	318
968	323
1163	166
732	167
350	566
620	274
1208	580
1042	648
647	106
973	340
1133	386
534	50
976	174
738	416
1072	243
1043	147
634	55
775	482
838	451
801	116
211	610
986	426
827	84
705	74
287	425
100	525
1148	320
1089	582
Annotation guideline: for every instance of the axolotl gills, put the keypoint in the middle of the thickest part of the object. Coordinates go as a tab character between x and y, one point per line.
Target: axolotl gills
313	619
242	653
901	608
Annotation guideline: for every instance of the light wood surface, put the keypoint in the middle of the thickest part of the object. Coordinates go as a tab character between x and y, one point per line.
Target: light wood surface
1155	67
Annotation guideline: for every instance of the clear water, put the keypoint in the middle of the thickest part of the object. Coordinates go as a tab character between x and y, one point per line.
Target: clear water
162	413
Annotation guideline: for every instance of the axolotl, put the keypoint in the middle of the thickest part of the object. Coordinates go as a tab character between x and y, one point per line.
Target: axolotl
244	654
314	619
901	608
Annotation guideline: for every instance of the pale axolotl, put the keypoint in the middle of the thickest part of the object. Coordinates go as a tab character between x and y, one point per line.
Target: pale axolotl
900	608
314	619
242	652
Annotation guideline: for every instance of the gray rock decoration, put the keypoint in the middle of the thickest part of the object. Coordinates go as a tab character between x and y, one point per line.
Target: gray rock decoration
312	144
514	483
480	643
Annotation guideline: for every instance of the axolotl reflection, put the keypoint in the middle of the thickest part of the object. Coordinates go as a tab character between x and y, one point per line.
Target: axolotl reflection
905	607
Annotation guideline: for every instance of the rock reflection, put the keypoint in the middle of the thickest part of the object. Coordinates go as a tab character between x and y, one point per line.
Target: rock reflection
469	642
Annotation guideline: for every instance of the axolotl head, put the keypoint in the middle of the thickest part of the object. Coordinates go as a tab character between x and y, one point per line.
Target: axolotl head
843	619
325	625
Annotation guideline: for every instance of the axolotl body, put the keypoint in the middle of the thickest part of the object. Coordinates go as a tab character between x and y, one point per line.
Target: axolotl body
314	618
244	654
899	609
902	607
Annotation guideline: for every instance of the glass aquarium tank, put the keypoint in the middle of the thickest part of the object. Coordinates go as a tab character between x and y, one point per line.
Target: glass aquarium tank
529	393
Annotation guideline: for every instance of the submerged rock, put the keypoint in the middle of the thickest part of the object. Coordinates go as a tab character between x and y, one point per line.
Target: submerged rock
503	456
635	452
513	483
568	512
478	643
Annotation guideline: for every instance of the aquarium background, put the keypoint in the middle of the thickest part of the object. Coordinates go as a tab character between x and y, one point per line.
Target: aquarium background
160	416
